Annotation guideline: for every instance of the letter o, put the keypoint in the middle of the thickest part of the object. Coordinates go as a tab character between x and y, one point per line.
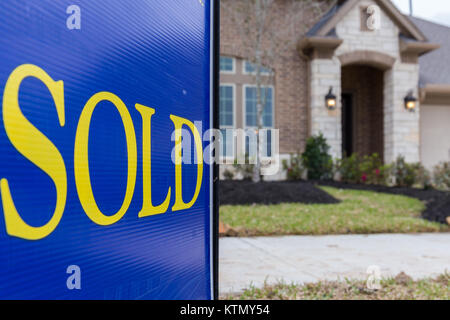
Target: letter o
81	162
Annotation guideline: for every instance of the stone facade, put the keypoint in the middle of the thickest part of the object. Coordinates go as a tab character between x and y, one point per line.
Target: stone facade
401	128
326	73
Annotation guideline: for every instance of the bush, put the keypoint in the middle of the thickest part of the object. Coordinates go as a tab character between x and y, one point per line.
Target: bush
348	169
422	176
370	170
294	167
316	158
373	171
367	169
441	174
228	174
410	174
245	170
403	173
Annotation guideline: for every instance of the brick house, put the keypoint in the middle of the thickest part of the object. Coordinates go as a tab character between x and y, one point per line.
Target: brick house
370	70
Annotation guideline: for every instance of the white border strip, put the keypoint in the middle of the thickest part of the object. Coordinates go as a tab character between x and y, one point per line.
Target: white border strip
211	165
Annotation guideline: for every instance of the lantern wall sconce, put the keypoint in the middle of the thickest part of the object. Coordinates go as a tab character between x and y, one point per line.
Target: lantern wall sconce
410	102
330	100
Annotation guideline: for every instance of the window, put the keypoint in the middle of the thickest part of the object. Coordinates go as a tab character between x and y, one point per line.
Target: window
250	106
239	82
226	117
266	142
251	68
251	120
227	142
226	106
226	64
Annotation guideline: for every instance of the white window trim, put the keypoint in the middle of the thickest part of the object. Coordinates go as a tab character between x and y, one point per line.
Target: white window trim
244	71
233	85
233	71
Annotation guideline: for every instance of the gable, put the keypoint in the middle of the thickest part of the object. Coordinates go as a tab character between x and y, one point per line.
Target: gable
328	23
353	29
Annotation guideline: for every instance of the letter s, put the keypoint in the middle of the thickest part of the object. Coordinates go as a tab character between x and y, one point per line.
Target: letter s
36	147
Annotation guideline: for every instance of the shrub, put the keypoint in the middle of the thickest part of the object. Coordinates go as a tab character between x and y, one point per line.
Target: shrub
228	174
348	169
441	174
294	167
373	171
370	170
422	175
245	170
316	158
403	173
367	169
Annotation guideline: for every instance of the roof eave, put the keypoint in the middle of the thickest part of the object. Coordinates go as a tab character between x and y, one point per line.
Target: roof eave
419	48
433	91
320	42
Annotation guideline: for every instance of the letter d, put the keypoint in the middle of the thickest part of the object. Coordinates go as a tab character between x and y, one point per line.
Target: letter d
179	122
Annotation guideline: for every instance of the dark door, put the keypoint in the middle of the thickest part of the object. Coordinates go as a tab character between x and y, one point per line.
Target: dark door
347	124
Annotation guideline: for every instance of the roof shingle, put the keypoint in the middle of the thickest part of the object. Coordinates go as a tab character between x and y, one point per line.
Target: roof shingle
434	66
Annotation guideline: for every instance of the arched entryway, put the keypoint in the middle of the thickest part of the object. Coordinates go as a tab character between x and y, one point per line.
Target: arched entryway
362	110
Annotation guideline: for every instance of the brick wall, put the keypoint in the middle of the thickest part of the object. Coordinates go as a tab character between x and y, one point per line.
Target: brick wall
291	71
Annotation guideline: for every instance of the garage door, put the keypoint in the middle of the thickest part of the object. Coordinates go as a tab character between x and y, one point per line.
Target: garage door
435	133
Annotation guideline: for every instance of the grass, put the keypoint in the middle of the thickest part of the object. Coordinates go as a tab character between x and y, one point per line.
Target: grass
360	212
391	289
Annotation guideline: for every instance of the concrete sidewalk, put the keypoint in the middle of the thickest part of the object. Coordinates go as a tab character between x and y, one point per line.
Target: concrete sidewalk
302	259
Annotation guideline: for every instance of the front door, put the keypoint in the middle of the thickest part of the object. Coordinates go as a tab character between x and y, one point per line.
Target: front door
362	112
347	124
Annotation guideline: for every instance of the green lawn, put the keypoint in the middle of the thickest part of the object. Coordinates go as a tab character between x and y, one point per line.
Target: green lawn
360	212
391	289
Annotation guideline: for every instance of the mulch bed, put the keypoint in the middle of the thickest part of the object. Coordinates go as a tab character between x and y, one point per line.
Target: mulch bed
246	193
437	202
233	192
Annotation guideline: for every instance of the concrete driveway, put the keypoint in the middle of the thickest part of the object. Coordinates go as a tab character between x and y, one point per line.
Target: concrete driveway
303	259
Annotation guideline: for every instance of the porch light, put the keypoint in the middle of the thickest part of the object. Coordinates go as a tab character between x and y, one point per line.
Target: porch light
330	100
410	101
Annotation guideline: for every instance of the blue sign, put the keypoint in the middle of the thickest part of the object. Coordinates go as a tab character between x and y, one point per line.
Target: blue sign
96	202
